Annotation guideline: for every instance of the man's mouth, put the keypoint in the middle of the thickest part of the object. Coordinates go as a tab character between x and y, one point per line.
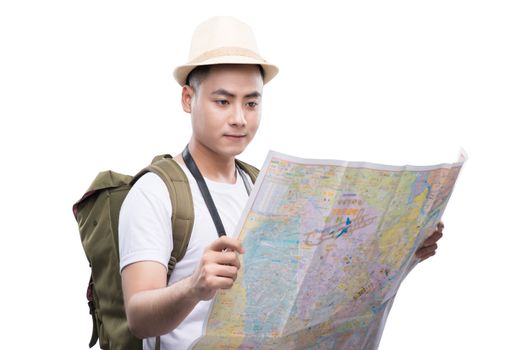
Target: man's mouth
235	135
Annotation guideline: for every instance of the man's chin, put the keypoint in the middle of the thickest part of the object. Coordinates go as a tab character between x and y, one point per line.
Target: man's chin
233	150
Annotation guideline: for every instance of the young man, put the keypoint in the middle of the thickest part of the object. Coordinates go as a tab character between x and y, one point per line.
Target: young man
222	90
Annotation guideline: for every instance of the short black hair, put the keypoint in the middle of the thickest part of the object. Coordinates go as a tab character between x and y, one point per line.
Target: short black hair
200	73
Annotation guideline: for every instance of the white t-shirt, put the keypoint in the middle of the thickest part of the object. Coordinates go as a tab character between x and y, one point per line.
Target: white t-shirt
144	233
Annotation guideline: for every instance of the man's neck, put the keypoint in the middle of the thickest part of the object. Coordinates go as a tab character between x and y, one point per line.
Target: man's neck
213	166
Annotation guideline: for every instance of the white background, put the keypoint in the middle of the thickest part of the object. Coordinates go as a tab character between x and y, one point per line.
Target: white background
87	86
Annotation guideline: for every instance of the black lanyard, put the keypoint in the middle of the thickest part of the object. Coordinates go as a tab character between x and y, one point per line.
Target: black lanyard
191	165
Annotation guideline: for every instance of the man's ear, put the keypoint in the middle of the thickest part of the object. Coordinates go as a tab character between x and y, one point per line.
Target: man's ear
187	97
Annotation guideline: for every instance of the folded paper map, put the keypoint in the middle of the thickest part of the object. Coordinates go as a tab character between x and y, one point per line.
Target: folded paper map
327	244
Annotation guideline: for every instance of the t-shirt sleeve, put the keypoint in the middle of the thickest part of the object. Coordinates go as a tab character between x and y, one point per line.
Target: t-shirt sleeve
144	228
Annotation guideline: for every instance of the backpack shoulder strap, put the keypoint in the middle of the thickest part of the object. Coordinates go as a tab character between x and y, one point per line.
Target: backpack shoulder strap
182	217
161	156
249	169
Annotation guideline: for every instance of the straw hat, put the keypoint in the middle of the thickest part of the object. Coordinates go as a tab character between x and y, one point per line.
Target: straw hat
222	40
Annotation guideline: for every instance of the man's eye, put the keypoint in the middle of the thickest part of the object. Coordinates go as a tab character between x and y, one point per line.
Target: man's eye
252	104
222	102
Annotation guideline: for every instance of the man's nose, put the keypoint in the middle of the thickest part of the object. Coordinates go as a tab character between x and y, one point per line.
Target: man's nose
238	116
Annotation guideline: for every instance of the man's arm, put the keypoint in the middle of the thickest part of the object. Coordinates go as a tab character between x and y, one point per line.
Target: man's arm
153	309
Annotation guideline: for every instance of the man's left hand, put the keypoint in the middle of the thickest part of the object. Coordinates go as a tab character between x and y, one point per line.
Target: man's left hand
429	246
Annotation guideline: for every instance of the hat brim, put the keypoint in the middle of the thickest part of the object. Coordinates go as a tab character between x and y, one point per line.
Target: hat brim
181	72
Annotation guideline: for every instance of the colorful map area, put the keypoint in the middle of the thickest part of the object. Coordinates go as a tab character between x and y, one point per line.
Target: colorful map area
327	246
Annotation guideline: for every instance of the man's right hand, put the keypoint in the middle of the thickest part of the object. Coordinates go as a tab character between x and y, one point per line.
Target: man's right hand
218	268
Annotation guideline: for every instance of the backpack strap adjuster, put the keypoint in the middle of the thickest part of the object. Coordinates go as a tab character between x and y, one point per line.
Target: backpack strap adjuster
171	266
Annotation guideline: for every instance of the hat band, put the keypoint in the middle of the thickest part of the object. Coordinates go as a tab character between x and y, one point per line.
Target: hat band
226	51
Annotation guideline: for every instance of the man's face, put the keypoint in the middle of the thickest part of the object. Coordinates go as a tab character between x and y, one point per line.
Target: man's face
226	108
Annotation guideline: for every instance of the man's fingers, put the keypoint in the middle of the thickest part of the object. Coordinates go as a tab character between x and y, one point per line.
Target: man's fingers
222	258
227	272
432	239
426	251
226	243
424	257
213	282
429	246
218	267
217	270
216	276
224	282
212	276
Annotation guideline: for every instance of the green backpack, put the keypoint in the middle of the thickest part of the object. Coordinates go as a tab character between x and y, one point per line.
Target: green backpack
97	214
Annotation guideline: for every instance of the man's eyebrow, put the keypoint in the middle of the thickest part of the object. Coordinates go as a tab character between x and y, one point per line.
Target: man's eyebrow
223	92
254	94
